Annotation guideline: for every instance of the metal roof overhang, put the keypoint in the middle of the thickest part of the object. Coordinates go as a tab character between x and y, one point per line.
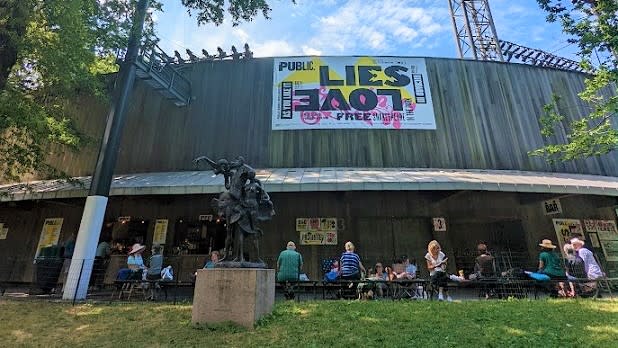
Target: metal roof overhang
324	179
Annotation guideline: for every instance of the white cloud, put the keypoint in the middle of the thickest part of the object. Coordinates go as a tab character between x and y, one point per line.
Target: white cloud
310	51
272	48
378	27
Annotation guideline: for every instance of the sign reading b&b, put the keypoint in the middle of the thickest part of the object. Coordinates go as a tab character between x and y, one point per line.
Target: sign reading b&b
351	92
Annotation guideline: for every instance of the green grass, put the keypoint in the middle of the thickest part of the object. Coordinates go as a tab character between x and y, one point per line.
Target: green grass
551	323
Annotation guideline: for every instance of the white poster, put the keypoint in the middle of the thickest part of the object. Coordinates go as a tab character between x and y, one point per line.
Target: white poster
351	93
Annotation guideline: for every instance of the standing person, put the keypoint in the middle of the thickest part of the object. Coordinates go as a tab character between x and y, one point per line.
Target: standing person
103	250
350	265
289	264
591	267
101	260
436	264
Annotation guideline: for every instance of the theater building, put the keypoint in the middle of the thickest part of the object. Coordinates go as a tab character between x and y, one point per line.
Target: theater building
387	152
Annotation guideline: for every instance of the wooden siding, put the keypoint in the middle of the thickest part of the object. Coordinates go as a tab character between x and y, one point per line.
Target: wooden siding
486	117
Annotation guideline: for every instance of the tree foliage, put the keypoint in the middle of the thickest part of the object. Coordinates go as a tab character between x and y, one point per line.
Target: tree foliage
593	26
53	51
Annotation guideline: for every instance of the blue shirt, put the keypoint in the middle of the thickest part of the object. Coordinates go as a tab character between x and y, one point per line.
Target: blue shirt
350	263
411	269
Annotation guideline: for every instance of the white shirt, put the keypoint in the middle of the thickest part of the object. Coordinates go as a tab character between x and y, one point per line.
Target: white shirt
435	261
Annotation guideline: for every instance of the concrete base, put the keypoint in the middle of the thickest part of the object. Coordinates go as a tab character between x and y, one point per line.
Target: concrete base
239	295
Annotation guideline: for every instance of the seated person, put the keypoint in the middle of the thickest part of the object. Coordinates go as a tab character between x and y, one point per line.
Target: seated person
484	264
400	270
214	258
410	264
135	262
379	275
156	263
550	265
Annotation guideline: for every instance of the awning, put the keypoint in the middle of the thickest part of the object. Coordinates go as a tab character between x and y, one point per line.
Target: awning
324	179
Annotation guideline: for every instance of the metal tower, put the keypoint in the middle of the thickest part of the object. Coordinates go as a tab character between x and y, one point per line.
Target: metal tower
475	33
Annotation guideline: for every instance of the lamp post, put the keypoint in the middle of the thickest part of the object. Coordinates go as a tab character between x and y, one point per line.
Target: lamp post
94	211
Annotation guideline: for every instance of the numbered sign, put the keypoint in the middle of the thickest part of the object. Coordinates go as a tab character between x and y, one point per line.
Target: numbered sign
439	224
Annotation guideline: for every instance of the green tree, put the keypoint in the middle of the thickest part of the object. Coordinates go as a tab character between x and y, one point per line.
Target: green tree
593	27
52	51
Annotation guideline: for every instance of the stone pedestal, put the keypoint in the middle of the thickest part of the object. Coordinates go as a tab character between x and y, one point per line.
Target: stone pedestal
240	295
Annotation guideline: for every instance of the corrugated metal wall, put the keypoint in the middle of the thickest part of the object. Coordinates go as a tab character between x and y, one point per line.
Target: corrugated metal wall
486	117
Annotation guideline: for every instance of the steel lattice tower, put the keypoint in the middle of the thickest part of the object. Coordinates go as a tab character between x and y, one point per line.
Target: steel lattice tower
475	33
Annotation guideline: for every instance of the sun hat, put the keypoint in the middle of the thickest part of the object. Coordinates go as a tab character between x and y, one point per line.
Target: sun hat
577	241
546	243
136	248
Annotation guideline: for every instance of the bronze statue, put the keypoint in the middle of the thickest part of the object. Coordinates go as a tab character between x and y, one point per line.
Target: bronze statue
243	205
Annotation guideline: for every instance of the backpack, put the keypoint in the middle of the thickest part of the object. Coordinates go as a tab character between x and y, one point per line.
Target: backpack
167	273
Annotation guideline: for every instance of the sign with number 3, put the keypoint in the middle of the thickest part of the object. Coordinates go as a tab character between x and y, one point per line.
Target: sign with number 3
439	224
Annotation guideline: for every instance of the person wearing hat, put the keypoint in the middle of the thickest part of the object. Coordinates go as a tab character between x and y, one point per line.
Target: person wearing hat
549	261
135	262
591	267
289	264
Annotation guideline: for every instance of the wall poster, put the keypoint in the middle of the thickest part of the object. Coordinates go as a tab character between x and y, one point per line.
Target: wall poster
49	234
605	228
160	231
317	231
567	229
3	231
610	249
351	93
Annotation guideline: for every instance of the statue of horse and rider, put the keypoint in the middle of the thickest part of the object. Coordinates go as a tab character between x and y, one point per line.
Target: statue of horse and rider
243	205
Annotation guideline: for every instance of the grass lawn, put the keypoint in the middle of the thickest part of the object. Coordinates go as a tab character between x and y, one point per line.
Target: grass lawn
551	323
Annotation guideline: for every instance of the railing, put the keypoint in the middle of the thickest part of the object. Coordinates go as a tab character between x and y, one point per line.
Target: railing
154	64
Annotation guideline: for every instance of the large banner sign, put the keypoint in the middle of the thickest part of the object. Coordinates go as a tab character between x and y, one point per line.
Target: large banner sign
351	92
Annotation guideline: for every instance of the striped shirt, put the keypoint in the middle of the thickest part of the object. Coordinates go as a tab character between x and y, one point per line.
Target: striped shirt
349	263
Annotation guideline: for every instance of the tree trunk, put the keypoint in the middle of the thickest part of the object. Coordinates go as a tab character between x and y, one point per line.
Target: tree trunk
14	15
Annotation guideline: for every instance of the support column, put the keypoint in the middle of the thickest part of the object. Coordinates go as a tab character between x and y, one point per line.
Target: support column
76	286
94	211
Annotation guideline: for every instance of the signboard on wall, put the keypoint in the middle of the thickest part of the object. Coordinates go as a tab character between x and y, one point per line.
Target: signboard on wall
160	231
318	238
49	234
351	93
552	206
567	229
439	224
606	229
610	249
316	224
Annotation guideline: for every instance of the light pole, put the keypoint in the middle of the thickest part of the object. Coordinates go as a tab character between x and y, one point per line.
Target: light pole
78	278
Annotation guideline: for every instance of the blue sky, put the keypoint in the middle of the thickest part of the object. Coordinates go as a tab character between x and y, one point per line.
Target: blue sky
357	27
